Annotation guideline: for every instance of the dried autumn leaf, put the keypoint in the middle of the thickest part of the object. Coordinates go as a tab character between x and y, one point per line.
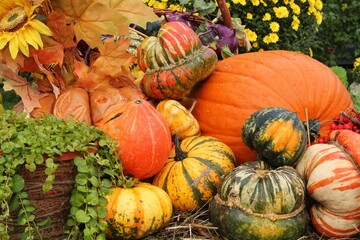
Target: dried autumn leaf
113	55
135	10
30	96
62	32
91	19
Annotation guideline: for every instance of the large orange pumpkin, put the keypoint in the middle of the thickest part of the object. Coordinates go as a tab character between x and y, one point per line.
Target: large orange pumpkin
143	135
245	83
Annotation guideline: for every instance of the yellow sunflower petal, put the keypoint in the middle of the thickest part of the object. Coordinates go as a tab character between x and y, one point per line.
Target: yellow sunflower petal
27	33
40	27
4	39
23	45
35	36
14	47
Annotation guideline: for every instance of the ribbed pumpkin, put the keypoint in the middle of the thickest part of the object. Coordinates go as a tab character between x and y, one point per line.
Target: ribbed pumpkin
192	173
143	135
180	119
137	212
174	61
245	83
277	135
257	202
333	181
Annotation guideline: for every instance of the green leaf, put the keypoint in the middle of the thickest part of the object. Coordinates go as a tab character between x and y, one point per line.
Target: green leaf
77	199
43	223
106	183
22	219
94	181
7	147
341	73
79	162
102	212
81	179
82	217
18	183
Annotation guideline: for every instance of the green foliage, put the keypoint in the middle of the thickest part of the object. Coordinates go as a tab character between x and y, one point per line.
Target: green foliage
25	141
341	73
339	33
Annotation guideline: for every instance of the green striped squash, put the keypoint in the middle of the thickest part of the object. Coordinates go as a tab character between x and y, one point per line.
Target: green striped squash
174	61
257	202
277	135
193	171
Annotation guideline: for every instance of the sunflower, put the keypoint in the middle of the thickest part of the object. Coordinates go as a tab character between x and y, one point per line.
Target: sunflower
19	28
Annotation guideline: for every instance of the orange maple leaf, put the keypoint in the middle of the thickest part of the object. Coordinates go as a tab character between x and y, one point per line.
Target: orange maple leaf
91	19
29	95
113	55
62	32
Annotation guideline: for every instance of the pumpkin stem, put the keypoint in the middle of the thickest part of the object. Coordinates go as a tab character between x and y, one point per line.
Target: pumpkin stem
179	154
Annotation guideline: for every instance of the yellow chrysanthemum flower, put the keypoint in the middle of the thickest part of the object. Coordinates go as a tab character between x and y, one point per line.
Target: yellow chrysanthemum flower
357	62
242	2
251	35
318	16
271	38
19	28
267	17
295	23
295	8
255	2
274	26
318	4
281	12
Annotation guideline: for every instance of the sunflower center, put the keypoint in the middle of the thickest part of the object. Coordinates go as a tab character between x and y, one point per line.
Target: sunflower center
13	20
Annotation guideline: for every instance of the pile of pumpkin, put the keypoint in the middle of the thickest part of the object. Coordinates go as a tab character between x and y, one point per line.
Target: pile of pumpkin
241	143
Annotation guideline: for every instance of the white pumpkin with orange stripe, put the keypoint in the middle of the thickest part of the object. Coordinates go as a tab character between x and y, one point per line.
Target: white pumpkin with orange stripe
333	181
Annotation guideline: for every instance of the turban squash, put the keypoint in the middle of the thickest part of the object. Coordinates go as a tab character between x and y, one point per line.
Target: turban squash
174	61
245	83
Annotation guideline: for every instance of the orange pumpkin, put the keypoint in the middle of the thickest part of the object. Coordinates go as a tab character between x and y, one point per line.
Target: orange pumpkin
143	135
245	83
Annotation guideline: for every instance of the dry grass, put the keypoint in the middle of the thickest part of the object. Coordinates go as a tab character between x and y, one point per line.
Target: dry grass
197	226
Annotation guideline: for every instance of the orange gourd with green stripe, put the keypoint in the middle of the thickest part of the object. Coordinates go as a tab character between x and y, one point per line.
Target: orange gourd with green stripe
174	61
137	212
193	171
333	183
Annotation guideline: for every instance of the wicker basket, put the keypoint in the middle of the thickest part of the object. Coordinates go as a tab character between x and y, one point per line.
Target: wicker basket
54	204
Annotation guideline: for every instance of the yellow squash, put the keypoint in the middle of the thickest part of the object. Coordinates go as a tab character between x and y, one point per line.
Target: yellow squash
179	118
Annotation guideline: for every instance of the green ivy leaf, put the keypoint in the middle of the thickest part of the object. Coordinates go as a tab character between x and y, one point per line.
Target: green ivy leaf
82	217
18	183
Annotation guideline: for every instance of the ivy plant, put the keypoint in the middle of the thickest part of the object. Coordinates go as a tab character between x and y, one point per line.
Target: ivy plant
30	142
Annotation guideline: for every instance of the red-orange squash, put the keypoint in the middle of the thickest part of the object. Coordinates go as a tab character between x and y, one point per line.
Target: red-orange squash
245	83
143	135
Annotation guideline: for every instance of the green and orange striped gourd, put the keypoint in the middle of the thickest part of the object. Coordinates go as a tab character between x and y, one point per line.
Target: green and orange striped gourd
174	61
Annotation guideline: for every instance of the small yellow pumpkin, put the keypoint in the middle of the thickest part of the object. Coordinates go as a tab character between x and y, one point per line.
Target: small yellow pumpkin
137	212
193	171
179	118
